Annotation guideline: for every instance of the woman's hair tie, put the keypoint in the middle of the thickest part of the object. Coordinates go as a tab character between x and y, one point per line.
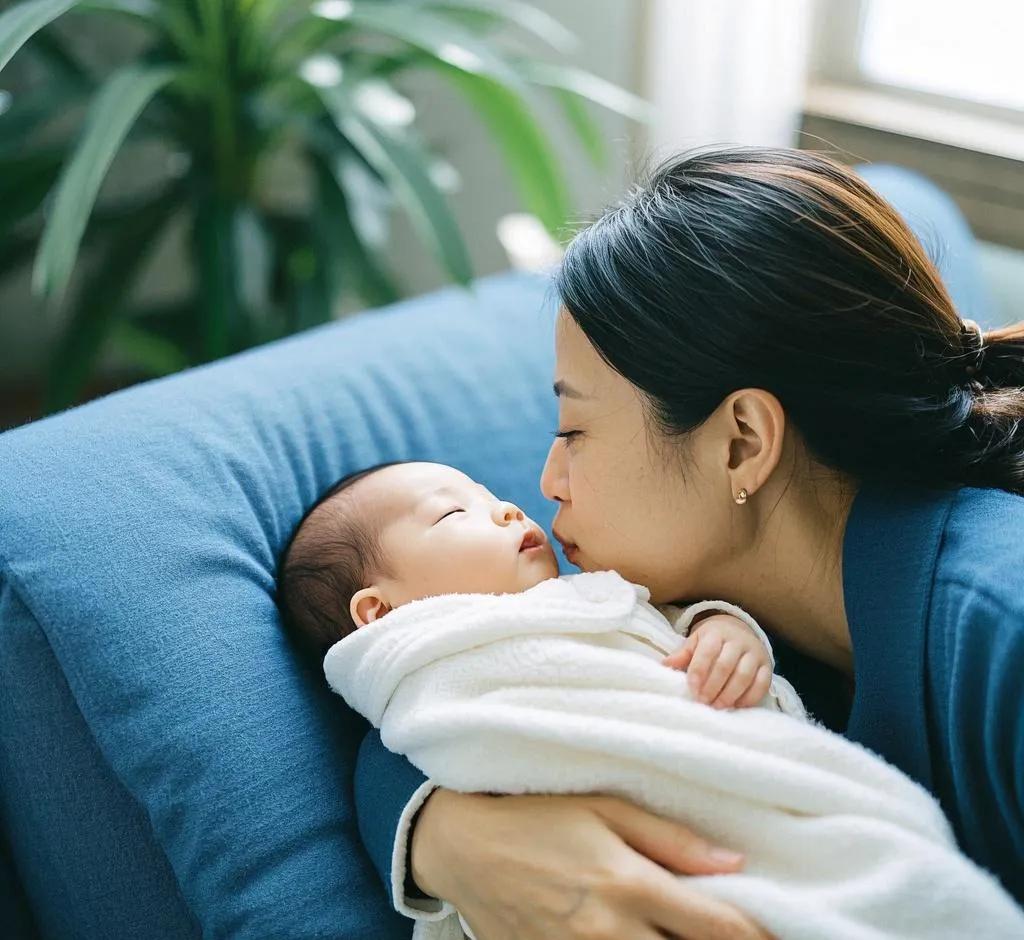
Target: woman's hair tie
973	341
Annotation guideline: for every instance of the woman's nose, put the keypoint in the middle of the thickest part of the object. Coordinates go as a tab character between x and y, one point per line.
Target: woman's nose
505	513
554	482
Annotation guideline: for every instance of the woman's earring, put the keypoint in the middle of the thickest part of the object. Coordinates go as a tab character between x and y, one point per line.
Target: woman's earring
741	497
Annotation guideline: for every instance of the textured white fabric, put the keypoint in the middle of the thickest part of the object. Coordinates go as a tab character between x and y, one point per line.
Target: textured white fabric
560	689
781	697
417	908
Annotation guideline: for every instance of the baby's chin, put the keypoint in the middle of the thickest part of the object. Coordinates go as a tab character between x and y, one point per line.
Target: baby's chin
541	570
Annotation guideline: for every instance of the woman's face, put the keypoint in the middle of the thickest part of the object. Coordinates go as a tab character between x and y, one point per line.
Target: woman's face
628	499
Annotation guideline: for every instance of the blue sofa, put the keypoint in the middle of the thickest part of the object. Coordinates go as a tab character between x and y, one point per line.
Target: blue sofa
168	766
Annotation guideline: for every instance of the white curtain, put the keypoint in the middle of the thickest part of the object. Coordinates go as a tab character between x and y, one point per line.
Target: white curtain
725	71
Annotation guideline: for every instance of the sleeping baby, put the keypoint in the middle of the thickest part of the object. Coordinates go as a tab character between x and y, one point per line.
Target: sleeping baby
440	616
385	537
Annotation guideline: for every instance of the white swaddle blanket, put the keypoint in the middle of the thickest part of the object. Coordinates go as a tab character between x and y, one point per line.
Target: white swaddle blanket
560	689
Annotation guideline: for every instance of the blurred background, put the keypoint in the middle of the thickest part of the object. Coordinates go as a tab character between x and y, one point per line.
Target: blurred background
182	179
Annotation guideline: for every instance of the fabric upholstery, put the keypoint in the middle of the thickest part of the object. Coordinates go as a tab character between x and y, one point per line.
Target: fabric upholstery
139	537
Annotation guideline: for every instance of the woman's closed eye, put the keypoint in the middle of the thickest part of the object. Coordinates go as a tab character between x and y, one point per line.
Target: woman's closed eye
568	436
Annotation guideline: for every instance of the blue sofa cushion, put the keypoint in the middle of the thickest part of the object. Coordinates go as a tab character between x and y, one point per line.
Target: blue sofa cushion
142	532
81	851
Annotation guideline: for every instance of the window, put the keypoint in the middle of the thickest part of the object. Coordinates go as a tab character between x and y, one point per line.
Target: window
952	48
934	85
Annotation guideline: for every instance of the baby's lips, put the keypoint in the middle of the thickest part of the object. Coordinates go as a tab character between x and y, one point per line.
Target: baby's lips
532	538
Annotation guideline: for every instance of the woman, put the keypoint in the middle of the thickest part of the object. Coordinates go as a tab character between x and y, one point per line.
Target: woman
765	394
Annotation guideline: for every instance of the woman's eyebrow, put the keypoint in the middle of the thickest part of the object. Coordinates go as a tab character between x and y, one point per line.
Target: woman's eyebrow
562	390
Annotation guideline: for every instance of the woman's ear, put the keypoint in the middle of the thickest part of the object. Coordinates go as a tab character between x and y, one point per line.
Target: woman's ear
757	427
367	605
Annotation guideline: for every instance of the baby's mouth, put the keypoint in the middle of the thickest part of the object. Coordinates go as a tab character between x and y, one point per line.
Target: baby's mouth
532	538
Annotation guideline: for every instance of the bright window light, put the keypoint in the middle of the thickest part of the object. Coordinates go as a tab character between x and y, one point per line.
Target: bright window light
961	49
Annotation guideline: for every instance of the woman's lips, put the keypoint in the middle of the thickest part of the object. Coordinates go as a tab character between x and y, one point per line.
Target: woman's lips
569	549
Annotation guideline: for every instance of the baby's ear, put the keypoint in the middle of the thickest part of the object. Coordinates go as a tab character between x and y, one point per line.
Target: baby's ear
367	605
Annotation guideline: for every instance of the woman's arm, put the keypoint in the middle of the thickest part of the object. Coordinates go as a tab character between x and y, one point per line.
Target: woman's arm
539	867
388	792
585	867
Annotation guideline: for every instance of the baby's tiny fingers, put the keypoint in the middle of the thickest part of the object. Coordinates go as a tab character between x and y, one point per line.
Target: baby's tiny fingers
704	658
758	689
681	658
741	680
721	672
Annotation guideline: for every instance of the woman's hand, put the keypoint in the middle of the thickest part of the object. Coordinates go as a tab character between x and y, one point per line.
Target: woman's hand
542	867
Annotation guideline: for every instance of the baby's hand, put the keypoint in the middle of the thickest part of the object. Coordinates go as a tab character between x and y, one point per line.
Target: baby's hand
726	664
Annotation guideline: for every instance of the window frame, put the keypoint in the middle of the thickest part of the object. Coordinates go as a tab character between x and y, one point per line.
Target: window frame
975	151
835	60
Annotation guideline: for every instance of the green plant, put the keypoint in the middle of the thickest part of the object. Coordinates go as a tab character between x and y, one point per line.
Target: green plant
225	89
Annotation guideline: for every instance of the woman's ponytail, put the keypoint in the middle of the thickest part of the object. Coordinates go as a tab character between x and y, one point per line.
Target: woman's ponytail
989	449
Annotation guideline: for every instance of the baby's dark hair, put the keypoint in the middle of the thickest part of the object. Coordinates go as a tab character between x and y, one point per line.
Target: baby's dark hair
329	557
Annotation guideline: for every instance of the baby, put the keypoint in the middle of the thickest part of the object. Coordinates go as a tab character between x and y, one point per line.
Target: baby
384	537
445	625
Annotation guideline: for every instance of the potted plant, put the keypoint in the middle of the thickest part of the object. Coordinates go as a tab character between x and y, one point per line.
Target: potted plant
227	89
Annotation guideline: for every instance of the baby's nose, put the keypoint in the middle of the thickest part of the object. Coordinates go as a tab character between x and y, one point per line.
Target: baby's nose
505	513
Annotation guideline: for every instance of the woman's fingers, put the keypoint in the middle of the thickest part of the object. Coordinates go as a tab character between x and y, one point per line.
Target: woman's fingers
665	841
575	867
686	913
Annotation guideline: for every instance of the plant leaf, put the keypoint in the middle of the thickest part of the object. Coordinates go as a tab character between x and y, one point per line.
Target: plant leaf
234	259
295	270
15	251
254	251
445	41
21	22
216	262
170	321
374	283
144	11
116	107
525	15
102	297
18	247
24	181
525	146
589	86
29	112
63	62
586	128
154	354
405	167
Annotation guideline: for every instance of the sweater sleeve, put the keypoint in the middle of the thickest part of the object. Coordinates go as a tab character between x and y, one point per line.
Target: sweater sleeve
978	705
389	792
682	618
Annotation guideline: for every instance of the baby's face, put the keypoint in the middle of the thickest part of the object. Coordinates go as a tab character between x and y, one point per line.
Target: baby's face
450	535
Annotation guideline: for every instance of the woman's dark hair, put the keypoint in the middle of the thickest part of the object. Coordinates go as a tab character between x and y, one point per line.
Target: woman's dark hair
327	560
783	270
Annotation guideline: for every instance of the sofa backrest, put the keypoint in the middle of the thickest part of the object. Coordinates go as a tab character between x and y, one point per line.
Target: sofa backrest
139	537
